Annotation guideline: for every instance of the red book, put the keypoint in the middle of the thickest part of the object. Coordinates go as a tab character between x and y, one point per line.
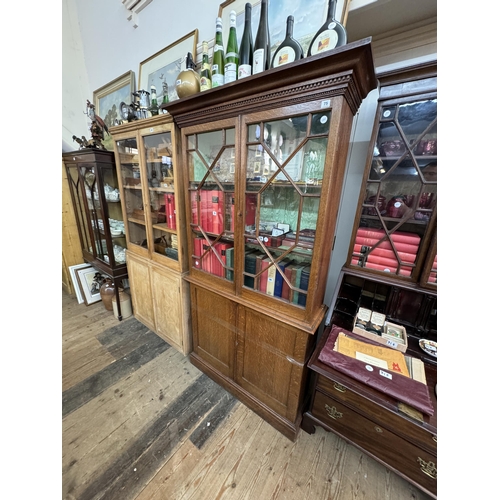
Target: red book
217	207
258	267
397	236
285	291
404	271
263	276
170	210
250	209
375	259
206	210
194	206
198	250
206	262
400	247
221	248
388	253
230	212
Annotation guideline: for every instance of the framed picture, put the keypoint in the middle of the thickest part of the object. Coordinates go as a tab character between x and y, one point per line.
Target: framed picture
74	279
265	170
309	16
107	99
231	168
256	167
162	68
89	286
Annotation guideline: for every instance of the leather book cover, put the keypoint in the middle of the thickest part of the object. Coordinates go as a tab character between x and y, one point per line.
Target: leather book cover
386	253
400	246
304	284
230	264
278	280
263	277
271	280
249	281
258	266
396	236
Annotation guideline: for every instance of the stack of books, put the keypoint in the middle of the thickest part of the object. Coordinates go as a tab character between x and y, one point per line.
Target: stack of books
213	258
382	257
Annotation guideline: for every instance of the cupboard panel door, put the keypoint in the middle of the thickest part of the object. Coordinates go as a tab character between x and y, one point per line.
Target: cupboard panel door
214	336
140	289
167	305
271	361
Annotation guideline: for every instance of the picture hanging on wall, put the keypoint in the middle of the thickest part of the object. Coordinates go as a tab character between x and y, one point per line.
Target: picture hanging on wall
107	101
162	68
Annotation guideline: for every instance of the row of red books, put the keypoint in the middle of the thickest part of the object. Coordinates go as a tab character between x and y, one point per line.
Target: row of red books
214	258
383	257
209	206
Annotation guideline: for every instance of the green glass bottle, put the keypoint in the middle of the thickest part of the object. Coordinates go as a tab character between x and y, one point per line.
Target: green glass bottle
218	58
262	45
246	46
206	72
153	107
232	58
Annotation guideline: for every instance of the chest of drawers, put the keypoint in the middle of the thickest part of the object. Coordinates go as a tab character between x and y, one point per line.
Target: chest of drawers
374	422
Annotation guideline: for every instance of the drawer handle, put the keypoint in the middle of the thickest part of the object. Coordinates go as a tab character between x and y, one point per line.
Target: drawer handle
428	468
379	430
339	387
332	412
435	438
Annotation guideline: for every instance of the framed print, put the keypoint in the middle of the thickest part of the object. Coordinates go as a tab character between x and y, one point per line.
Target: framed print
89	286
107	100
309	16
74	279
256	167
162	68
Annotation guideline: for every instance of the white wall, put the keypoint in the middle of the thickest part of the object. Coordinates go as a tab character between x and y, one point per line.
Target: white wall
100	44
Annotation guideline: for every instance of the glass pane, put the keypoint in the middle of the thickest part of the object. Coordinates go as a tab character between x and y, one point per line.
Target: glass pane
401	192
161	186
212	167
135	221
284	173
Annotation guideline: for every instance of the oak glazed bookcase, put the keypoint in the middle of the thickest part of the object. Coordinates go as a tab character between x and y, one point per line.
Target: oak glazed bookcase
264	161
151	190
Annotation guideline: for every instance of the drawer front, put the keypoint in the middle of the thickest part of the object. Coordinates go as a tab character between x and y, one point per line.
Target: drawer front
413	462
411	431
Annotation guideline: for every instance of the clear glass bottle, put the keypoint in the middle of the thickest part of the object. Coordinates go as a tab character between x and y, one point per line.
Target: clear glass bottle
262	47
289	50
246	46
232	58
218	58
206	72
331	35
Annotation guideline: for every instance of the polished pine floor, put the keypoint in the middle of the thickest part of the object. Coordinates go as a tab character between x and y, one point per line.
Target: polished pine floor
141	423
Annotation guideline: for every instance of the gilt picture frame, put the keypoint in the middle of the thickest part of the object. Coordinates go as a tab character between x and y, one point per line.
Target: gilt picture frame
107	100
308	15
161	69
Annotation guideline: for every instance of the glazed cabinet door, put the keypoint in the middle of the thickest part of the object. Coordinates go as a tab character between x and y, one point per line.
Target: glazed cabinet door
214	332
397	213
140	288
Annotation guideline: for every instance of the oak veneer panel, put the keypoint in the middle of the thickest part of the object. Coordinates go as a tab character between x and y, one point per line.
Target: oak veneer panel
140	290
213	331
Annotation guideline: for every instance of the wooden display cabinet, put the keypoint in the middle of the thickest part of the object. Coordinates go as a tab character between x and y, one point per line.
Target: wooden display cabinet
264	160
93	184
396	222
151	191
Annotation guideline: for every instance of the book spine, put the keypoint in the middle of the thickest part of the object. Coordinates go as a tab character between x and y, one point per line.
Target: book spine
271	279
387	253
285	291
397	236
404	271
198	250
304	285
229	263
216	211
258	267
296	284
400	247
206	261
194	207
263	276
250	209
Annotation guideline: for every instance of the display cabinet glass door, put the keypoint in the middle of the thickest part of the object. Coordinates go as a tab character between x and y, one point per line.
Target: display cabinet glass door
285	161
399	204
161	186
211	174
135	220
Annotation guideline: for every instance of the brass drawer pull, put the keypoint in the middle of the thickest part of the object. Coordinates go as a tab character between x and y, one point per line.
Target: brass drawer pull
379	430
435	438
332	412
339	387
428	468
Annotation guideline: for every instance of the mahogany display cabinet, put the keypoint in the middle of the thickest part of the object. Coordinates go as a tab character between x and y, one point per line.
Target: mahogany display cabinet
264	161
93	184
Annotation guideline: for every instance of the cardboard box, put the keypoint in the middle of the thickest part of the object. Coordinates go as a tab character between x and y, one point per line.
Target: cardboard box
388	336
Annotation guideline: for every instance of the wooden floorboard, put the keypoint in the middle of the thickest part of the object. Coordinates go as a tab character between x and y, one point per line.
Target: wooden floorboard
140	422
